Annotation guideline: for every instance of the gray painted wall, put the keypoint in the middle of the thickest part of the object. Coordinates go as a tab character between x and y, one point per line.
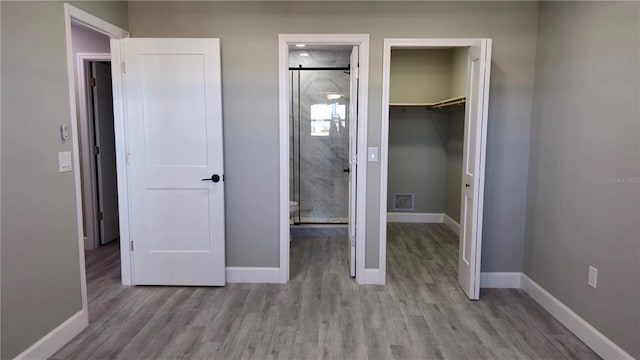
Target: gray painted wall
40	266
419	75
454	162
459	62
584	193
418	157
417	136
425	146
249	39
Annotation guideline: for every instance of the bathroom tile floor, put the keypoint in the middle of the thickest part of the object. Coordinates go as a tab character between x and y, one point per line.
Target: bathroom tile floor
322	312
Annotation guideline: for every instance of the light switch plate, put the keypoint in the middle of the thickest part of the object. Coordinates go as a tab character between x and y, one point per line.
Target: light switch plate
64	132
372	154
64	161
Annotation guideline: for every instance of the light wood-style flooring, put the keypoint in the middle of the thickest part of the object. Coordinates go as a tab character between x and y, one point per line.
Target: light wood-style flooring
322	313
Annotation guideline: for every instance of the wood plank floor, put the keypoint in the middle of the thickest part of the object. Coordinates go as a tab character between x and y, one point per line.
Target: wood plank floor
322	312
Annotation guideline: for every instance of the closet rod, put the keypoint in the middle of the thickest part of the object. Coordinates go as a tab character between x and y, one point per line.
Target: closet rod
346	68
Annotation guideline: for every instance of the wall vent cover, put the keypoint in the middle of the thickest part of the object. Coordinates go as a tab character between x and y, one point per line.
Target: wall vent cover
403	201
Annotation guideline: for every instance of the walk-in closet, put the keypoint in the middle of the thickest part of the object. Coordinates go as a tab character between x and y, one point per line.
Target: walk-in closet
426	132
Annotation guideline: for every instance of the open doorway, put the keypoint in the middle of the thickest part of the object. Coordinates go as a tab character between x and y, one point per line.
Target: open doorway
94	100
323	123
97	155
435	96
92	133
320	127
322	168
100	113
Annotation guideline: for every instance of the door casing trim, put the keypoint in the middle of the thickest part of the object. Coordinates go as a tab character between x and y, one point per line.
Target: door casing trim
384	139
362	41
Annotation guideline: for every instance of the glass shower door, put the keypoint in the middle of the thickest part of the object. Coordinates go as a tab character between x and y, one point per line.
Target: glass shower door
320	145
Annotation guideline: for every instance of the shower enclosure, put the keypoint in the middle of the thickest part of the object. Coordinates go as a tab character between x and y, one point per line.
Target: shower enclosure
319	141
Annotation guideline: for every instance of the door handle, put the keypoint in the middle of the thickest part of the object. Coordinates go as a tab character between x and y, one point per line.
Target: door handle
466	185
346	170
215	178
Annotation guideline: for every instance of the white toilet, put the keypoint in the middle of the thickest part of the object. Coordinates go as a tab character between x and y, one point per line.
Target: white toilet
293	208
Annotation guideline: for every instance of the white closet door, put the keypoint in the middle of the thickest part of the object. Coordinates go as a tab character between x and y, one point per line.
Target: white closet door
353	134
174	136
473	170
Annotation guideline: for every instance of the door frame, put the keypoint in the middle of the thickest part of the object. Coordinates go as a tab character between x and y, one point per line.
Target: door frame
85	132
384	141
73	15
362	41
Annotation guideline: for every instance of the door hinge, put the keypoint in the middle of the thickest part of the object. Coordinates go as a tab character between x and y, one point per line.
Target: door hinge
92	82
131	245
354	159
356	72
99	216
97	150
124	68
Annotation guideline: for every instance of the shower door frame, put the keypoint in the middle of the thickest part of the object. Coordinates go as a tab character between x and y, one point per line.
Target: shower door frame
362	41
297	190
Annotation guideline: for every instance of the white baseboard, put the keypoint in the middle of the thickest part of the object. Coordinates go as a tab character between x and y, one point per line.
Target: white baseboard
415	217
594	339
373	277
452	224
500	280
265	275
57	338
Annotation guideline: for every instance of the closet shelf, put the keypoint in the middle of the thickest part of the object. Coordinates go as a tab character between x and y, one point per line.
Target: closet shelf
449	102
436	105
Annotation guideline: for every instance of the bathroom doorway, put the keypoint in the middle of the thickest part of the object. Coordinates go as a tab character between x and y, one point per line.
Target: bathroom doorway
319	137
321	105
322	124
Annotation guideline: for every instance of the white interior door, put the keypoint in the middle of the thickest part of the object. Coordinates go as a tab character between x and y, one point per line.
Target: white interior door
105	151
473	170
174	131
353	135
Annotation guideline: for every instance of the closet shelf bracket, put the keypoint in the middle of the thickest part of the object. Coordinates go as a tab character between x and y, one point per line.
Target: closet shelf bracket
435	105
